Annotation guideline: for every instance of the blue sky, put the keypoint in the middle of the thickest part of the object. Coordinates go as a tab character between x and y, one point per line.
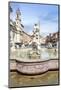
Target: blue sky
33	13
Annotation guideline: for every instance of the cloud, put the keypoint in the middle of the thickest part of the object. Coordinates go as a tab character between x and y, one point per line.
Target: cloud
48	27
49	16
49	22
28	28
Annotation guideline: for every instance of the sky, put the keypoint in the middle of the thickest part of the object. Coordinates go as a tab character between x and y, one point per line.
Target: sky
47	15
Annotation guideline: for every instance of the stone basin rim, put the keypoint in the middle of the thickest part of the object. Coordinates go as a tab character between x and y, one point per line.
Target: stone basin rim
20	61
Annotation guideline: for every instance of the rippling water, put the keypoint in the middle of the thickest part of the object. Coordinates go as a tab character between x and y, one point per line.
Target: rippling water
48	78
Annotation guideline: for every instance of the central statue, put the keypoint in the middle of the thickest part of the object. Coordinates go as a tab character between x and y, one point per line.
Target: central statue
35	52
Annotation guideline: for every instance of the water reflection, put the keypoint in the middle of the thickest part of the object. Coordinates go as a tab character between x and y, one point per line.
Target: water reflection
17	80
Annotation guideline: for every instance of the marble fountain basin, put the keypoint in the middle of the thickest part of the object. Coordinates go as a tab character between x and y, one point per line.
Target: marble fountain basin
37	67
48	61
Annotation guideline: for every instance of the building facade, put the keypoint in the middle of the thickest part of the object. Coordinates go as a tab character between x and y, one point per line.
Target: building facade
17	34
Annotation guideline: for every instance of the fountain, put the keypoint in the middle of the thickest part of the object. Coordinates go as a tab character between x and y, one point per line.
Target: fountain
32	60
35	52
